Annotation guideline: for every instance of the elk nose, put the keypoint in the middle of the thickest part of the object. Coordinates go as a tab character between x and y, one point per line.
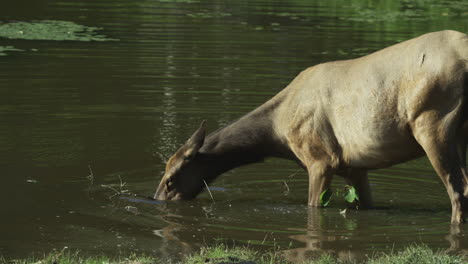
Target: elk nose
160	194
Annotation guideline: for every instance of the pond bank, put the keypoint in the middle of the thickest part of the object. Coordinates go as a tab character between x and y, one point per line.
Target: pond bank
221	254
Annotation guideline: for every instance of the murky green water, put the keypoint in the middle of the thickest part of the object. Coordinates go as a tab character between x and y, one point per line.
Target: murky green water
87	124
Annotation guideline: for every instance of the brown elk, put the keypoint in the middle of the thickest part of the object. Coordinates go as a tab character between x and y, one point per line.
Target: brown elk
346	117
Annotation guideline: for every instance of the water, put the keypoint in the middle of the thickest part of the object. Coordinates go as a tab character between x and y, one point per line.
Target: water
87	125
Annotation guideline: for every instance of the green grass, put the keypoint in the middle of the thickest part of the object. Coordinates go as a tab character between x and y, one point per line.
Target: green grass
243	255
67	257
412	254
418	254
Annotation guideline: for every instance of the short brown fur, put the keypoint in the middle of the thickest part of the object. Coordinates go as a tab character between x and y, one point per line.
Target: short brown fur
347	117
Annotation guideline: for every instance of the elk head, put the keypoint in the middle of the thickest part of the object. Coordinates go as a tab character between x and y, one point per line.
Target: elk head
183	177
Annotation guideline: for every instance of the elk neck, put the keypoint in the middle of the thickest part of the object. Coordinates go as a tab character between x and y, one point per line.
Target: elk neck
250	139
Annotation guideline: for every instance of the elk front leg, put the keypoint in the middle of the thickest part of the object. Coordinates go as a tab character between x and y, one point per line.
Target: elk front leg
320	177
359	180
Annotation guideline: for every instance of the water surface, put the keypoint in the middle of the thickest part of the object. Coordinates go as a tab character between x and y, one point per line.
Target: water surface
87	125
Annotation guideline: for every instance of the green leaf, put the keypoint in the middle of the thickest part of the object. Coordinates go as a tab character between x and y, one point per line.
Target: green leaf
325	197
351	194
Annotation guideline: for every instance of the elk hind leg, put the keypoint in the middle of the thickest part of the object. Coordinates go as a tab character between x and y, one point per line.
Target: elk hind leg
445	157
462	143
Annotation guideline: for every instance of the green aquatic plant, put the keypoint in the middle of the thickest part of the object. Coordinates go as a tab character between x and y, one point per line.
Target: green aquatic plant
292	16
4	49
405	10
350	194
208	14
374	15
50	30
325	197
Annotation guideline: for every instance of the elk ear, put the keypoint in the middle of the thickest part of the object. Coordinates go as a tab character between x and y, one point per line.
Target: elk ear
195	142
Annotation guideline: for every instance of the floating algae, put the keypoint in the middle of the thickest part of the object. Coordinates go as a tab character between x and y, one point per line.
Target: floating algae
373	15
208	14
4	49
406	10
179	1
50	30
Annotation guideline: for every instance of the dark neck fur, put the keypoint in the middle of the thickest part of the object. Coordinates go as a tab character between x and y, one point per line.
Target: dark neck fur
248	140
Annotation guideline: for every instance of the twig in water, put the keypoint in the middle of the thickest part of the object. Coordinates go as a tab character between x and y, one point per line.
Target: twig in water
208	188
287	188
122	184
90	177
288	180
112	188
208	210
264	239
119	191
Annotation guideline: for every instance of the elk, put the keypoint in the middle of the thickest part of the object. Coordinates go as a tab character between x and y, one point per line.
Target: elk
348	117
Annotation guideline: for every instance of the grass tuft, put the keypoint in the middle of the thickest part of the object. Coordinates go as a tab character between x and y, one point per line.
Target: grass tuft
68	257
420	254
221	253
